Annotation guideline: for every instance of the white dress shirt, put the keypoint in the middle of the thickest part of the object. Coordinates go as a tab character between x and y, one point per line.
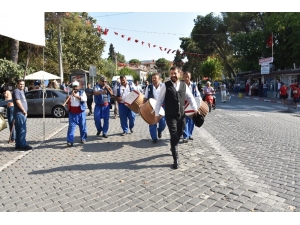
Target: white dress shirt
76	102
156	91
124	91
191	89
188	96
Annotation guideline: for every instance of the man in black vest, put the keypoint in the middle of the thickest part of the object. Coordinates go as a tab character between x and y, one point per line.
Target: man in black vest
174	93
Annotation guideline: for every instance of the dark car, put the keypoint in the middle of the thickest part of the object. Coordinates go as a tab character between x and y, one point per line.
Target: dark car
54	100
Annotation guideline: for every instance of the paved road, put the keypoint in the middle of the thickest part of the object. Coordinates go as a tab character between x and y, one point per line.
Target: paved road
244	158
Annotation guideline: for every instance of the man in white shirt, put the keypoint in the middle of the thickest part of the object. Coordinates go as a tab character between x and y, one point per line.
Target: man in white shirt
152	91
121	90
223	91
189	123
174	93
77	116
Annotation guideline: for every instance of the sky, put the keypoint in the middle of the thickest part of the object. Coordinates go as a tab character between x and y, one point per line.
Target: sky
162	29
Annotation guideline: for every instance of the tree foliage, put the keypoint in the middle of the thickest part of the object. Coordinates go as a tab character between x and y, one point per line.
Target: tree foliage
135	62
127	71
211	68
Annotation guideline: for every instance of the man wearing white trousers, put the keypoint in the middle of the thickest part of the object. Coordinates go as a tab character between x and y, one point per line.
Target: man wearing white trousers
223	91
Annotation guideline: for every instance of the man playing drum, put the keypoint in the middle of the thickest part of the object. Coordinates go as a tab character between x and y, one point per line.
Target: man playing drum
152	91
189	123
174	93
102	93
121	90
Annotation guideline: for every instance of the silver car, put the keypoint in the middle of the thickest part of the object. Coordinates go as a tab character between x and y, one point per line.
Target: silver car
54	100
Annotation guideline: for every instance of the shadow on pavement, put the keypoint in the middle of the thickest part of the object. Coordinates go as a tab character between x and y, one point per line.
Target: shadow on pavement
131	165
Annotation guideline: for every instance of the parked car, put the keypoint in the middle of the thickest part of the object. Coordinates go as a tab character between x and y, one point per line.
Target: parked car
54	100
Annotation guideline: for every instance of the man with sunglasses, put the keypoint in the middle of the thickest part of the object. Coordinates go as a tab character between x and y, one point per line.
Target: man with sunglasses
102	95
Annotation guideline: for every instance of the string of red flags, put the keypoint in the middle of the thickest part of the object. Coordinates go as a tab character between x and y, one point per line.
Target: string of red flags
105	32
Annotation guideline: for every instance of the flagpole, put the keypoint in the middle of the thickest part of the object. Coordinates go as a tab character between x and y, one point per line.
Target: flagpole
272	45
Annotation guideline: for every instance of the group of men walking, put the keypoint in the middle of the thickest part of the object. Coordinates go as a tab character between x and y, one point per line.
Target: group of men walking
171	95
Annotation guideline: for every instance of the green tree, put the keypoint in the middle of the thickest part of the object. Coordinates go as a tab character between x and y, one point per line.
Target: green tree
127	71
111	53
211	68
163	67
135	62
121	58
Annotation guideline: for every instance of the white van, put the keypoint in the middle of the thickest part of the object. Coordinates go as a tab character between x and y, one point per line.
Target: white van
114	79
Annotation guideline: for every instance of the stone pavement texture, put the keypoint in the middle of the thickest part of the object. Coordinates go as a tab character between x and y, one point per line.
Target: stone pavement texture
243	159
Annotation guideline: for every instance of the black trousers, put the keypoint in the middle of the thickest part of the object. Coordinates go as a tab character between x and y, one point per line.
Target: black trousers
89	103
176	126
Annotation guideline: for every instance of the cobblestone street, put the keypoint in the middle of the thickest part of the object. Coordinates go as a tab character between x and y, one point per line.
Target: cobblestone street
243	159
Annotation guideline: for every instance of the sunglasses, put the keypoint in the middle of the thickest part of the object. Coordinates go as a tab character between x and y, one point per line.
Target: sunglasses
104	81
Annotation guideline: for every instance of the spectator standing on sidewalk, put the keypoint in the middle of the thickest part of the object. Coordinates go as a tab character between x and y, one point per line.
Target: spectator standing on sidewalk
20	116
223	91
296	92
10	113
283	93
278	87
247	88
89	93
292	87
265	89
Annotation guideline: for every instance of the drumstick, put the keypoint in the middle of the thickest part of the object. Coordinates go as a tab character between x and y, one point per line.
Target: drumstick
68	99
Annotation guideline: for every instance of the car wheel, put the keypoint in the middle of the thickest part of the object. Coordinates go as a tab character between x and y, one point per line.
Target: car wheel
58	112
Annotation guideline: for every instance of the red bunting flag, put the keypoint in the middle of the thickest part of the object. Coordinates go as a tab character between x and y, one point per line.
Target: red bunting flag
136	40
122	35
165	49
160	48
169	51
270	41
99	29
143	43
105	31
173	51
149	45
116	33
154	46
128	39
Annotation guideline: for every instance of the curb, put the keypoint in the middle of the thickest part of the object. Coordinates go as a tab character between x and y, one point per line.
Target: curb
34	146
262	99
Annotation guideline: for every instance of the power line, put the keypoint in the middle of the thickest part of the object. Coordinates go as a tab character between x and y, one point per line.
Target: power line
113	14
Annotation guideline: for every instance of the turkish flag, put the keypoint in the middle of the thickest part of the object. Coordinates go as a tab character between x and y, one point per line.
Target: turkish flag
173	51
105	31
160	48
136	40
149	45
116	33
143	43
122	35
169	51
270	41
154	46
128	39
165	49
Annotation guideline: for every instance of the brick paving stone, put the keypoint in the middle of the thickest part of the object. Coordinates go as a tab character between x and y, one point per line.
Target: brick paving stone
199	208
213	209
262	207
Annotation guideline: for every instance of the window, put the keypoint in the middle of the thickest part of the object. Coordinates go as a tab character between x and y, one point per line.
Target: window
32	95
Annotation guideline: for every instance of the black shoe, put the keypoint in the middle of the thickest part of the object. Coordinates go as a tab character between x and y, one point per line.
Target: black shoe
131	130
185	140
98	133
191	138
159	135
123	134
175	155
25	148
17	148
104	135
154	141
69	144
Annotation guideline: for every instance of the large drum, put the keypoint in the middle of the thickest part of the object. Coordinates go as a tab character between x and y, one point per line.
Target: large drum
133	100
201	105
147	111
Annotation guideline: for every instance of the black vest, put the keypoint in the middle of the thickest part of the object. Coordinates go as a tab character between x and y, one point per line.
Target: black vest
174	101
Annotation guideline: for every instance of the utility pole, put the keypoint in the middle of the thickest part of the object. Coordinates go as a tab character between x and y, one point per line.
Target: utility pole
116	64
60	54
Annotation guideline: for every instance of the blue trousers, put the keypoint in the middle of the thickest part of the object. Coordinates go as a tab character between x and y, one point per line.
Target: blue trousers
101	112
154	129
124	113
10	119
265	92
20	126
80	120
189	127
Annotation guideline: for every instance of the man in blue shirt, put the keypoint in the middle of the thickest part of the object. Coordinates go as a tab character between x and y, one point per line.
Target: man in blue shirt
102	93
20	117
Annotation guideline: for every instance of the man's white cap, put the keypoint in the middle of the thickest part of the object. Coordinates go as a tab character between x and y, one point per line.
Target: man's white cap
75	83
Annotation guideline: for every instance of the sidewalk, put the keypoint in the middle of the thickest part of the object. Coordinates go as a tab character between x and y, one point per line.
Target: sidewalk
262	99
